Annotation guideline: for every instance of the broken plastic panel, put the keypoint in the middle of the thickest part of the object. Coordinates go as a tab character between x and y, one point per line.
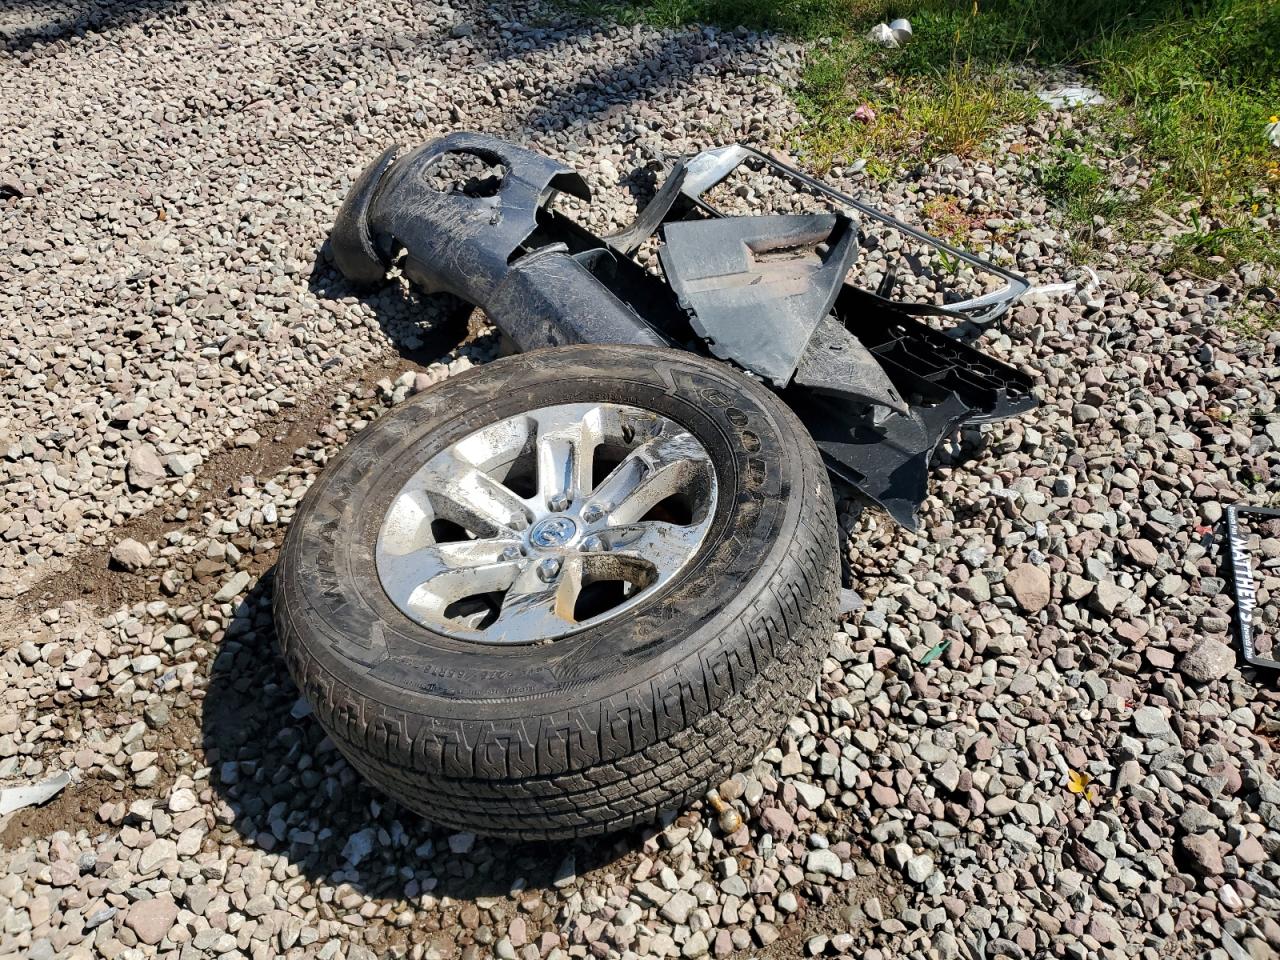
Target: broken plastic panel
782	272
32	795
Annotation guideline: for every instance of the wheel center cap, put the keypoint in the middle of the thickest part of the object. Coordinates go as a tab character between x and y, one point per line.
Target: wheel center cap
553	532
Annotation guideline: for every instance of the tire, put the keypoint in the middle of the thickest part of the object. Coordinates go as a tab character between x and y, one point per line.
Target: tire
607	727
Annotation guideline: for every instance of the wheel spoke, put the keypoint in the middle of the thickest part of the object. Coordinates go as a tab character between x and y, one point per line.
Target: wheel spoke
452	570
648	475
469	497
564	461
667	546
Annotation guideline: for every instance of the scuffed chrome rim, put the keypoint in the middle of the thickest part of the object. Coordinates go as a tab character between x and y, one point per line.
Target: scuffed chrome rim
503	537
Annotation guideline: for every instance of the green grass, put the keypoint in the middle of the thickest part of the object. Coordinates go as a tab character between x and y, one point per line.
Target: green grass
801	18
954	111
1195	82
1200	79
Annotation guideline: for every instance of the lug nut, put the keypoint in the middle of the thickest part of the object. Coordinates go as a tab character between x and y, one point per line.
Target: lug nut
559	503
548	569
510	553
592	513
594	543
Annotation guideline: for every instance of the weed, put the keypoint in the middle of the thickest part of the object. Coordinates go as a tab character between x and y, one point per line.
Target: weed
1070	182
1210	251
1139	282
1196	79
1081	252
949	221
950	263
1254	319
964	108
1087	201
802	18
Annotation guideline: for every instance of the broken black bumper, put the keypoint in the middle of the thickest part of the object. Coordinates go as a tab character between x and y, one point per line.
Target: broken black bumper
877	387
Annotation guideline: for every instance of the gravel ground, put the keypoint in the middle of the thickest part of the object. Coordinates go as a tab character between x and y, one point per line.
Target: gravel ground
1084	770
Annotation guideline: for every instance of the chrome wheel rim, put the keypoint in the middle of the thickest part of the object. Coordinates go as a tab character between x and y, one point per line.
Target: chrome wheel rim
546	523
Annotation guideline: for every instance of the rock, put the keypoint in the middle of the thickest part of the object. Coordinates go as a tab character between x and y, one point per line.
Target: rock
1109	595
919	868
1078	587
811	795
977	588
1152	722
884	795
63	873
695	946
179	464
359	845
1105	929
144	468
98	917
151	919
157	716
1019	837
566	873
461	842
1204	853
130	555
155	855
899	855
823	862
946	945
723	946
233	587
1000	805
778	822
948	776
678	908
766	933
1197	818
1250	851
1143	552
1029	587
1207	661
